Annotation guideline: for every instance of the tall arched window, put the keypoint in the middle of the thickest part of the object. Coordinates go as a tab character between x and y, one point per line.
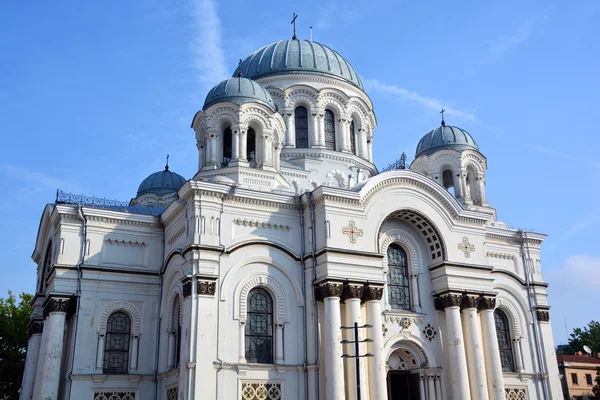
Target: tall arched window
251	146
301	125
176	329
398	280
45	268
448	181
116	348
352	138
259	327
504	341
227	143
329	130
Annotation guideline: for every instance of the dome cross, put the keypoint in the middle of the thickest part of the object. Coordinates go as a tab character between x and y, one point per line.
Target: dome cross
442	112
294	23
167	166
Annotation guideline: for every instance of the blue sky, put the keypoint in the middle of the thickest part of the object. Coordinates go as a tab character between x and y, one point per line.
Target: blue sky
94	94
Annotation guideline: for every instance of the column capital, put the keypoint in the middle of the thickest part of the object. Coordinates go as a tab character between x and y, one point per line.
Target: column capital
448	300
543	314
372	292
352	290
56	304
328	289
206	285
35	327
469	301
487	303
186	281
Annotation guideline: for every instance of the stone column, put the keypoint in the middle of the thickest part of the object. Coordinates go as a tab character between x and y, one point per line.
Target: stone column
134	352
315	138
100	353
463	183
206	321
55	310
438	387
330	292
290	136
31	360
549	354
235	144
243	144
211	148
474	347
377	373
242	342
321	129
352	295
278	343
414	291
493	365
458	186
370	150
277	160
201	156
431	386
422	393
481	187
518	358
171	349
267	149
362	140
344	134
456	349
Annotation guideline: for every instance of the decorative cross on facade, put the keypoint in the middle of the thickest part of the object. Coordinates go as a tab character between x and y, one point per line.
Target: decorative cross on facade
466	247
352	231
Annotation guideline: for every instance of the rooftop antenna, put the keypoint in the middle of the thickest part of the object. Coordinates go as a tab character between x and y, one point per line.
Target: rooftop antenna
167	166
442	112
294	23
311	33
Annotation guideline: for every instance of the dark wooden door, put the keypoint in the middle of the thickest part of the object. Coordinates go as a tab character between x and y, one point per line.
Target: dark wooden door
402	385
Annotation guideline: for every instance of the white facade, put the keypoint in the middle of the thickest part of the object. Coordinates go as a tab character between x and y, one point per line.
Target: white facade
313	227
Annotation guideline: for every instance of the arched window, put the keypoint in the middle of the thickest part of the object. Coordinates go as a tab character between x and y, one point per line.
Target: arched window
448	181
259	327
329	130
352	138
227	143
301	125
251	147
504	341
398	287
116	348
45	268
176	329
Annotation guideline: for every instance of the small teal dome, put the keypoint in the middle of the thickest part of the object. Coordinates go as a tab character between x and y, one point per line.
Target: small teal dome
239	91
161	183
300	56
446	137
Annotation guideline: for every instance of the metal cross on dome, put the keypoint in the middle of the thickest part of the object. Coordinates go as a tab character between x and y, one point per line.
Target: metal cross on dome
352	231
466	247
294	23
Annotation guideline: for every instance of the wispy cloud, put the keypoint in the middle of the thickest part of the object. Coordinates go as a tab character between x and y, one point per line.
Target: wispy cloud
36	182
586	223
523	33
206	48
431	103
561	155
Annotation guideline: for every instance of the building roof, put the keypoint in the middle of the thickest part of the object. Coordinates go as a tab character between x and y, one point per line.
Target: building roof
579	359
161	183
239	91
297	56
446	137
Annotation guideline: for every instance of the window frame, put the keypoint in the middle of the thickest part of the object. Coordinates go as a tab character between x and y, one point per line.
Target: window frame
406	288
127	335
253	316
329	134
589	380
574	378
296	119
505	348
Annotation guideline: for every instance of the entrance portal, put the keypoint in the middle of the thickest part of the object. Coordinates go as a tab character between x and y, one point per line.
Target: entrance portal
402	385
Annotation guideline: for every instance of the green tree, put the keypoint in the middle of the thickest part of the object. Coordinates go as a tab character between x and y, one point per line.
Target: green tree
596	388
586	336
14	318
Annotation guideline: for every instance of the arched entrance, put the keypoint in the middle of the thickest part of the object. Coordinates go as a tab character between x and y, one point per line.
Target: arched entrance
404	366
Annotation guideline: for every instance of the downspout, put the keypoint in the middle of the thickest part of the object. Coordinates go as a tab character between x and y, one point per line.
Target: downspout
158	326
304	325
78	295
314	268
532	305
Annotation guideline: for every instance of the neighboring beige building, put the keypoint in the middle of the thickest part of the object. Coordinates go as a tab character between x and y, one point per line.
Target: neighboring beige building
578	375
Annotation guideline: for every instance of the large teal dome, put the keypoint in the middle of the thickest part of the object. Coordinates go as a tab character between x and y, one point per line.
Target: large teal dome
297	56
239	91
445	137
161	183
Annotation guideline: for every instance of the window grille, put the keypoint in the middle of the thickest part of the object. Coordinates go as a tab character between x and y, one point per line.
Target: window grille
504	341
301	126
515	394
398	281
329	130
116	348
115	395
352	138
261	391
259	327
172	393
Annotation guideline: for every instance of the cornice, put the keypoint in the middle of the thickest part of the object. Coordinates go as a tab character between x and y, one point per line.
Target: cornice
176	236
346	158
345	252
519	279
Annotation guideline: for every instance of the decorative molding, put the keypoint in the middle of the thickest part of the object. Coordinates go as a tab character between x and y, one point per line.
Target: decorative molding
512	313
261	391
429	332
36	327
352	291
487	303
115	394
56	304
130	309
403	238
543	315
451	300
504	256
329	289
127	243
272	286
206	286
261	224
469	302
372	292
466	247
176	236
352	232
516	393
404	321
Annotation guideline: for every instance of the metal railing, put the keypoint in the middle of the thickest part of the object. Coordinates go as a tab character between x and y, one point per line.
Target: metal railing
79	199
398	164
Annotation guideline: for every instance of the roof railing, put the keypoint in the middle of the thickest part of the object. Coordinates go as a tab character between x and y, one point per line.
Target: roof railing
79	199
398	164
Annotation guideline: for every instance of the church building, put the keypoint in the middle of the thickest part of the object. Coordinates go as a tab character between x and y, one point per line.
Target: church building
255	278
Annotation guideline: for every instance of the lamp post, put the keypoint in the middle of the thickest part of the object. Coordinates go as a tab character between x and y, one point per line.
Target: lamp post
357	354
